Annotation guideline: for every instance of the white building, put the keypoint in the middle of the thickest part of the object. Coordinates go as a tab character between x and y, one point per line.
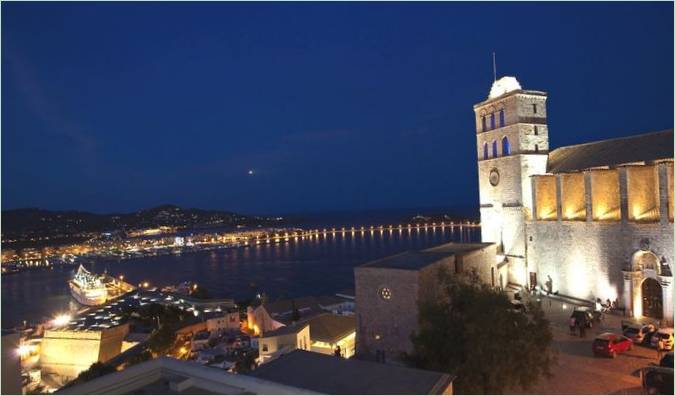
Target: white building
164	376
593	220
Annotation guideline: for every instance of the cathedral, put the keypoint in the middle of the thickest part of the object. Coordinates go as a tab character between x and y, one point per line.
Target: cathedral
588	221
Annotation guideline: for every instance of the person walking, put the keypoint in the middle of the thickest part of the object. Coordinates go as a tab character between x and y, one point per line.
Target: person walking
573	325
582	328
660	347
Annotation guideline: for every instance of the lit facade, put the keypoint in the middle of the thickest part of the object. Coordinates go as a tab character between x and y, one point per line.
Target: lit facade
65	353
588	221
389	290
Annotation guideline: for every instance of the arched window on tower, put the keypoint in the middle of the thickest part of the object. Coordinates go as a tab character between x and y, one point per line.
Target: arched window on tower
483	122
536	130
492	121
501	118
485	151
536	148
506	148
494	149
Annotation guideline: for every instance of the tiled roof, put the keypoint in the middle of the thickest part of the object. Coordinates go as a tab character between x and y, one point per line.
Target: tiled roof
331	328
612	152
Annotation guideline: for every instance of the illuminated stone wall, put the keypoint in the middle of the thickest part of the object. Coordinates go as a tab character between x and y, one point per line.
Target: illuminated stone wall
643	193
605	195
545	193
573	194
595	253
385	324
66	353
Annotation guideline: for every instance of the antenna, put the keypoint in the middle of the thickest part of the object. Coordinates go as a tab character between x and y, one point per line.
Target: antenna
494	66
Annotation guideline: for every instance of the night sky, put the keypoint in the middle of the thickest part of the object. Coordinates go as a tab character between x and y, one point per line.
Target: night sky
335	106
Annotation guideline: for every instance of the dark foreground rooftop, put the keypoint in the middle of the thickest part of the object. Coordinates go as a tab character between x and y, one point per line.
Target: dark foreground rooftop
332	375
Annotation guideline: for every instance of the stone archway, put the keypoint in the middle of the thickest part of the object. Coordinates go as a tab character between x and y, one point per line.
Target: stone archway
652	298
645	260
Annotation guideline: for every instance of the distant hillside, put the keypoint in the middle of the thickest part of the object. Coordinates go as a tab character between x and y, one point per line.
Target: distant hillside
31	224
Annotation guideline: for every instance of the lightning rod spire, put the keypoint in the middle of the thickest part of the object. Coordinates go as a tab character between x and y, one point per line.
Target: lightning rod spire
494	66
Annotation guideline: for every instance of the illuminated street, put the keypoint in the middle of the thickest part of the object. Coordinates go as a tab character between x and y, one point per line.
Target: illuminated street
578	371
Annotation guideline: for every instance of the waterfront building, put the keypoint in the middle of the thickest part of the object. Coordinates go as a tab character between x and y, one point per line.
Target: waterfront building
67	351
330	375
163	376
219	322
389	290
268	316
338	304
275	343
331	333
589	221
11	364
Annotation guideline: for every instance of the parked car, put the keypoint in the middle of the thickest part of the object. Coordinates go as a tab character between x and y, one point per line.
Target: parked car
640	334
657	380
583	315
518	306
610	344
667	360
666	334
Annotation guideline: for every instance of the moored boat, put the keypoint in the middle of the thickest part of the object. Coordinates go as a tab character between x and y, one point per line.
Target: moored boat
87	288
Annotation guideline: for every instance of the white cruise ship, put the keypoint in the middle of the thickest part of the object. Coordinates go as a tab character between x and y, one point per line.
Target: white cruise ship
87	288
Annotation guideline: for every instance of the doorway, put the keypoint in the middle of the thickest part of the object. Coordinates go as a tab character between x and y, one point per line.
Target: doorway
652	299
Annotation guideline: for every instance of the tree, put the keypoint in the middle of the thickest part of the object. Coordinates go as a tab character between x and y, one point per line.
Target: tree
200	292
470	330
246	362
141	357
96	370
295	313
161	340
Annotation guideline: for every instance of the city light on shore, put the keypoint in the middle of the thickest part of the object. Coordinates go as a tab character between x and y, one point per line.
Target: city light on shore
61	320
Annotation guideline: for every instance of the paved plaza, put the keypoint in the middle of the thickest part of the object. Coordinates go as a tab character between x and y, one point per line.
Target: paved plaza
578	371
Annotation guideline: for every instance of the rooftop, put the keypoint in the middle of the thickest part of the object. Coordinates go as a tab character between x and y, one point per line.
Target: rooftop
167	376
284	330
415	260
284	307
332	375
331	328
503	86
612	152
325	301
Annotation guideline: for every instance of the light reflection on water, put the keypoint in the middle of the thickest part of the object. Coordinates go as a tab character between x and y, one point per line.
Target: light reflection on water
313	266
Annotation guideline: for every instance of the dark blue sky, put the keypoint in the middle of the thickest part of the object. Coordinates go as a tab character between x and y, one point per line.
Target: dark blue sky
116	107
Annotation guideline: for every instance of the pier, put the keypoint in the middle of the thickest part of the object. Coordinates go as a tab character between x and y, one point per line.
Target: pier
354	230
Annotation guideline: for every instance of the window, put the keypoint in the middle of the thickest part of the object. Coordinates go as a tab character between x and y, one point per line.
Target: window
483	122
534	108
536	130
385	293
485	151
501	118
264	347
506	148
494	149
492	121
536	148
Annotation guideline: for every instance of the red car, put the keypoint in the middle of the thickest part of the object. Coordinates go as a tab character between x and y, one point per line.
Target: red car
610	344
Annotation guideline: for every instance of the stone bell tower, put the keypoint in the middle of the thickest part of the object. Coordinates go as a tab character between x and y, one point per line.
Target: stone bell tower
512	145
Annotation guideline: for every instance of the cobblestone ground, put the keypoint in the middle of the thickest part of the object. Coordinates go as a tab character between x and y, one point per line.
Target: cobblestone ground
577	370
